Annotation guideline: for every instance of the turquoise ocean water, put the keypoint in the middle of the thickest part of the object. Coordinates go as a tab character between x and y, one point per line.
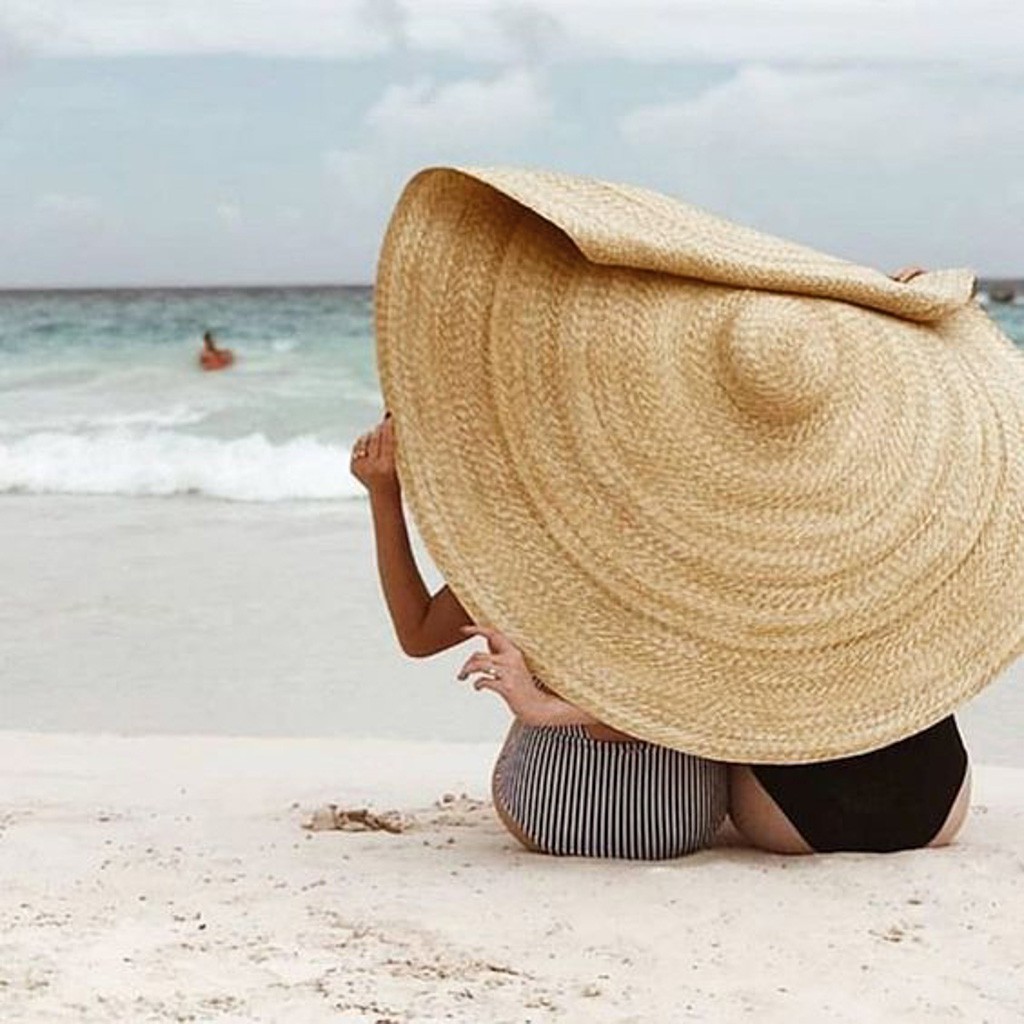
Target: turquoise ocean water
100	392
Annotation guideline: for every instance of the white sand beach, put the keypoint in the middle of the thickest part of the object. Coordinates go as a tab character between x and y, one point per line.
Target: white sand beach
194	616
150	873
169	879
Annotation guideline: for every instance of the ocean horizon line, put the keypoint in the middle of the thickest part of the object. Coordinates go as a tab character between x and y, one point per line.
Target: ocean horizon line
250	287
984	281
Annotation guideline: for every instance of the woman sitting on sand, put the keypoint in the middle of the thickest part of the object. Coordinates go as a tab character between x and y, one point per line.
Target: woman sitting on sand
563	783
729	496
909	794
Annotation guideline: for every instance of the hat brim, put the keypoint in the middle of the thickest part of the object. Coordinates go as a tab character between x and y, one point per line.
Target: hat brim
743	587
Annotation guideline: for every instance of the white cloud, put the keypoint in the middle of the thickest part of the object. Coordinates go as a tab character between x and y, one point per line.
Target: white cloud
388	17
425	123
811	117
530	33
229	214
799	31
285	27
500	31
459	113
507	31
71	210
869	161
735	31
12	53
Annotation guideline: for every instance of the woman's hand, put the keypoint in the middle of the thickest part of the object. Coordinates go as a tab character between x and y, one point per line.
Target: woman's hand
373	457
502	669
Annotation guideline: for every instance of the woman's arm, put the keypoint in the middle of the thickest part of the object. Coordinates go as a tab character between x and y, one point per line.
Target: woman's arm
424	623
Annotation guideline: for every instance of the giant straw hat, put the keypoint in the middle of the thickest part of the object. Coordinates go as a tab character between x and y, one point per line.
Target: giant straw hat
727	493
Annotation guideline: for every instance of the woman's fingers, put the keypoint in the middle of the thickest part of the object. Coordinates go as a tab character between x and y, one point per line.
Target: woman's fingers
371	443
481	661
494	685
375	444
359	449
496	640
469	665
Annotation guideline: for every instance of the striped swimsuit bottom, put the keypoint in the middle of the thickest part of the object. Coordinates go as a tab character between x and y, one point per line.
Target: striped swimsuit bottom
570	794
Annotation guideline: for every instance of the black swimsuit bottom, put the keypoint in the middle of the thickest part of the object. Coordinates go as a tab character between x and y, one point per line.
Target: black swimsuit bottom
896	798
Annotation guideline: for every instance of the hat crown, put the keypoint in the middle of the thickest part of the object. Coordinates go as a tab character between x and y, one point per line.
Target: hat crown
778	358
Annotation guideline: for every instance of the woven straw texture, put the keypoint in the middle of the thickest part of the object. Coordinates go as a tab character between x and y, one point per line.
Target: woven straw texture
728	494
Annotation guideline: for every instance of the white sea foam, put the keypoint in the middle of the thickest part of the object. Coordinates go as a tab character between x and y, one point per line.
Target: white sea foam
178	416
163	462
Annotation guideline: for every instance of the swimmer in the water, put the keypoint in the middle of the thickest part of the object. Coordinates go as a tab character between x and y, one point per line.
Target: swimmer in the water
212	357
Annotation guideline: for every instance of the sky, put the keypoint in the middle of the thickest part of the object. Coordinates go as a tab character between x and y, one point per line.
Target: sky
226	142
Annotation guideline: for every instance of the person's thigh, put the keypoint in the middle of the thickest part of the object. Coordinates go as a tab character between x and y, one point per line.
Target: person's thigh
758	817
506	819
957	814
